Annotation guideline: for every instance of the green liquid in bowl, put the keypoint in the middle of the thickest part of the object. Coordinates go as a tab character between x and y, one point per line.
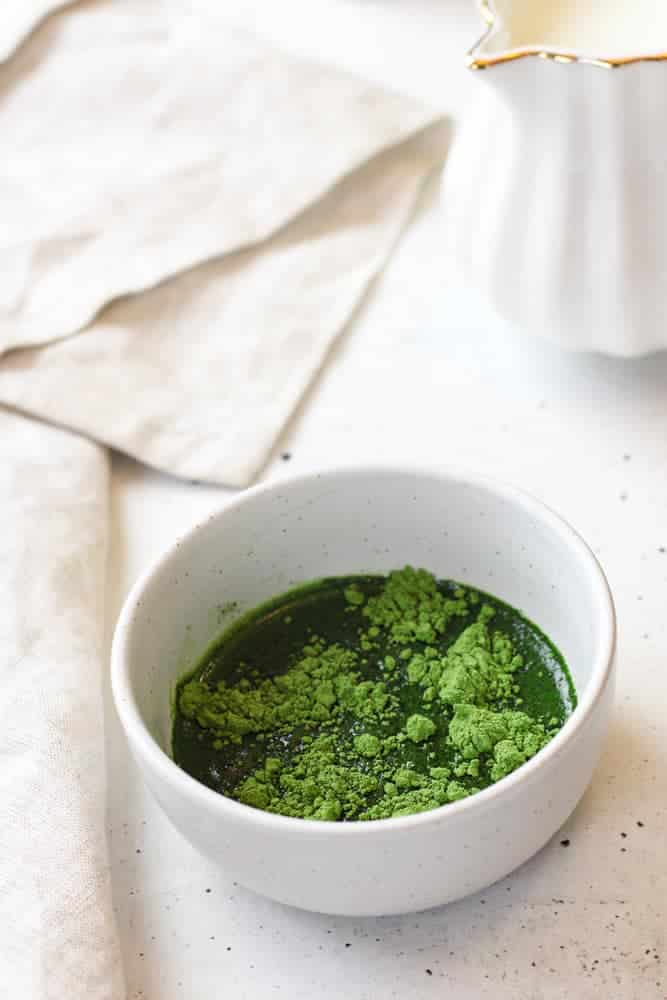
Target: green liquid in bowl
369	697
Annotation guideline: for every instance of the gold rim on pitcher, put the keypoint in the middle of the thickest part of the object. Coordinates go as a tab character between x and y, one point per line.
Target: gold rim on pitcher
476	61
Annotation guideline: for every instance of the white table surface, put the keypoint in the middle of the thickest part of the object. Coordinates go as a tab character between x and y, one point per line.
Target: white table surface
427	373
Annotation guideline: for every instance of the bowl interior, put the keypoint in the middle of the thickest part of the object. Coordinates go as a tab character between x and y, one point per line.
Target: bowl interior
352	522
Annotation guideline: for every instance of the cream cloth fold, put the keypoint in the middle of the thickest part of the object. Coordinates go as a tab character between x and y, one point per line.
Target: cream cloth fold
198	376
19	17
146	138
58	934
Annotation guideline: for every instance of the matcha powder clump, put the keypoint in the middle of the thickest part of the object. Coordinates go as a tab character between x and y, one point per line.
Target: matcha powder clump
411	607
370	698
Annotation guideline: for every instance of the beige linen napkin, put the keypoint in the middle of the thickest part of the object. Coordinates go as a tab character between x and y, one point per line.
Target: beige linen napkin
198	376
190	141
145	140
58	935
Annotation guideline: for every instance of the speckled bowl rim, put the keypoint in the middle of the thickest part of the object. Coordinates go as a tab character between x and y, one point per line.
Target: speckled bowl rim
172	774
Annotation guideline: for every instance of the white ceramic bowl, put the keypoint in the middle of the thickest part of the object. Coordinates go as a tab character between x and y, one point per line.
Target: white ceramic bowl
369	520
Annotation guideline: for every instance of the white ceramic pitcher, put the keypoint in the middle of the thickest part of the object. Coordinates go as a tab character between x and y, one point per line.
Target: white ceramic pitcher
556	190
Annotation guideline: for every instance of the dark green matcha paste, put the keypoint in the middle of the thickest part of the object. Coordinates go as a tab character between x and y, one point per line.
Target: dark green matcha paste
369	697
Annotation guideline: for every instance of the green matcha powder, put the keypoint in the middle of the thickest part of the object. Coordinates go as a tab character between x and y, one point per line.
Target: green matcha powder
387	696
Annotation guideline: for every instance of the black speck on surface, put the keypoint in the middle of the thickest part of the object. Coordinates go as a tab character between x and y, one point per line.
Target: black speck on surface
229	947
286	455
207	890
623	834
662	549
639	823
429	972
565	843
347	944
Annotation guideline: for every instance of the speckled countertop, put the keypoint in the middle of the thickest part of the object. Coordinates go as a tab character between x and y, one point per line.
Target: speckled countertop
426	373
